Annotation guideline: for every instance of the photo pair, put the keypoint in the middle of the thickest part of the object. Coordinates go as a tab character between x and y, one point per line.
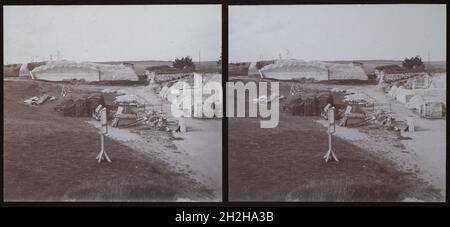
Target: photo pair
222	104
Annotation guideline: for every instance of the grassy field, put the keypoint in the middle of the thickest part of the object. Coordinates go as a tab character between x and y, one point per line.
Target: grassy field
48	157
285	164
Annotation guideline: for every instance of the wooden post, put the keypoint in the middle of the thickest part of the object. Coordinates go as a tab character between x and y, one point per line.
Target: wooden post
104	121
331	129
182	124
410	122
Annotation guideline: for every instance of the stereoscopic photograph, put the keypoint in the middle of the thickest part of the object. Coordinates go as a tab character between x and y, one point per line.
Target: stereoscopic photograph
337	103
112	103
323	103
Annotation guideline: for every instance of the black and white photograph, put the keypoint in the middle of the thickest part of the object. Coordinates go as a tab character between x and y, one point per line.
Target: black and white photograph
91	101
360	92
225	112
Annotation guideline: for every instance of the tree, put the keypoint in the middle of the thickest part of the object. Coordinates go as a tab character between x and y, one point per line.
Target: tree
413	63
183	63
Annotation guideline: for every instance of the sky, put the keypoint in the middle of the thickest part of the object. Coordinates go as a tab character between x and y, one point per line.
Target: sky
111	33
337	32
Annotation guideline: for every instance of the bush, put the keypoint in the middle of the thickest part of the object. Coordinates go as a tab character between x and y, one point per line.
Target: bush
413	63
